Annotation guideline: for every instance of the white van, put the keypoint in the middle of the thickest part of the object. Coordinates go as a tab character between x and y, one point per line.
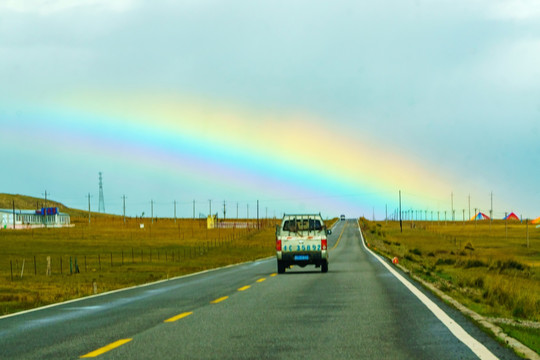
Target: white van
302	240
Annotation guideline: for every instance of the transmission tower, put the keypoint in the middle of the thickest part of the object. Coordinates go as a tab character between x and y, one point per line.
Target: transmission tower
101	208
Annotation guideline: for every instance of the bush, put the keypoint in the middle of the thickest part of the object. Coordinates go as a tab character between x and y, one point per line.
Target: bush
445	261
415	251
472	263
478	282
508	265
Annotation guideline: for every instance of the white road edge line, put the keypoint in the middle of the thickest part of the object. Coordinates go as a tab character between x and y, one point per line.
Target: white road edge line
476	347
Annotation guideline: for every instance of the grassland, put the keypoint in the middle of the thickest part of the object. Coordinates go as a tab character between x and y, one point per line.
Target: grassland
108	254
490	267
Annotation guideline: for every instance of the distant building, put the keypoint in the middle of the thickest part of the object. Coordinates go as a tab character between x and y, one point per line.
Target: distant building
27	219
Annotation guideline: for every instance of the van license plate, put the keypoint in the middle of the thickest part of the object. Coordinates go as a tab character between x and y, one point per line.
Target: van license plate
301	257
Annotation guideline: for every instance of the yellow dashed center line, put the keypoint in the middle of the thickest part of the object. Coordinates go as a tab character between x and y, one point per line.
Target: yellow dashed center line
178	317
219	300
340	235
273	274
261	280
104	349
244	288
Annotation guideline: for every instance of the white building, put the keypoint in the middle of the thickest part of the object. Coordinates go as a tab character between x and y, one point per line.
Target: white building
27	219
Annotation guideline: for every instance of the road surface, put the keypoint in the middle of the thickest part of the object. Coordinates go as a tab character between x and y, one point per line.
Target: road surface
358	310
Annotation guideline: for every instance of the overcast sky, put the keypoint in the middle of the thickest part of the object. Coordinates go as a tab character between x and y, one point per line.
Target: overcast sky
451	89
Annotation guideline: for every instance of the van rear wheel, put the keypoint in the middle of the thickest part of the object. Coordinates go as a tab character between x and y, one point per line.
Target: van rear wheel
324	267
280	267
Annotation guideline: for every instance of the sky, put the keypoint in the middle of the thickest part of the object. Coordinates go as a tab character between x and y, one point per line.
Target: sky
306	106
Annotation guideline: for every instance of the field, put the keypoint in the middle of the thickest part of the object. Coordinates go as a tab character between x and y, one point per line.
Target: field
108	254
492	268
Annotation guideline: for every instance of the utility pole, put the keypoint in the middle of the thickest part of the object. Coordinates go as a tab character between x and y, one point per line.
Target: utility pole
400	220
44	215
224	210
469	206
124	207
13	214
88	208
491	211
452	202
101	207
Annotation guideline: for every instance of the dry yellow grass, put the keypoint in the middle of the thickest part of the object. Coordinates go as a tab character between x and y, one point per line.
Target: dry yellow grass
487	266
112	255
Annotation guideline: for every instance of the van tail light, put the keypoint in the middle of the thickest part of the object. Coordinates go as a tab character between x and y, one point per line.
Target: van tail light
324	244
278	245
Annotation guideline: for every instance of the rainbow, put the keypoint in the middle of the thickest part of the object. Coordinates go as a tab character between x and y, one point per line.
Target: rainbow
230	152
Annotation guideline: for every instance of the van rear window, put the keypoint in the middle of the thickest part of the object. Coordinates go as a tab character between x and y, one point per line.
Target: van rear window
302	225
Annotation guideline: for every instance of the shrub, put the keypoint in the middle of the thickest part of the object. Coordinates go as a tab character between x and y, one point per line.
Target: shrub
508	265
415	251
472	263
445	261
478	282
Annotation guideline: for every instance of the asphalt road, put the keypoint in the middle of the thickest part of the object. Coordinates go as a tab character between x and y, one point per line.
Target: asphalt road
358	310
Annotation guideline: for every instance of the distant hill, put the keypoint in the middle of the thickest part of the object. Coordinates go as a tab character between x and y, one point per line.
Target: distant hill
23	202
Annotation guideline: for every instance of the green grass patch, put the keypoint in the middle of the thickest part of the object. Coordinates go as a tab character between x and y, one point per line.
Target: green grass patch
528	336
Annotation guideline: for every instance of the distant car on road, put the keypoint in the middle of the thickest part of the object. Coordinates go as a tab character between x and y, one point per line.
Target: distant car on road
342	217
301	240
